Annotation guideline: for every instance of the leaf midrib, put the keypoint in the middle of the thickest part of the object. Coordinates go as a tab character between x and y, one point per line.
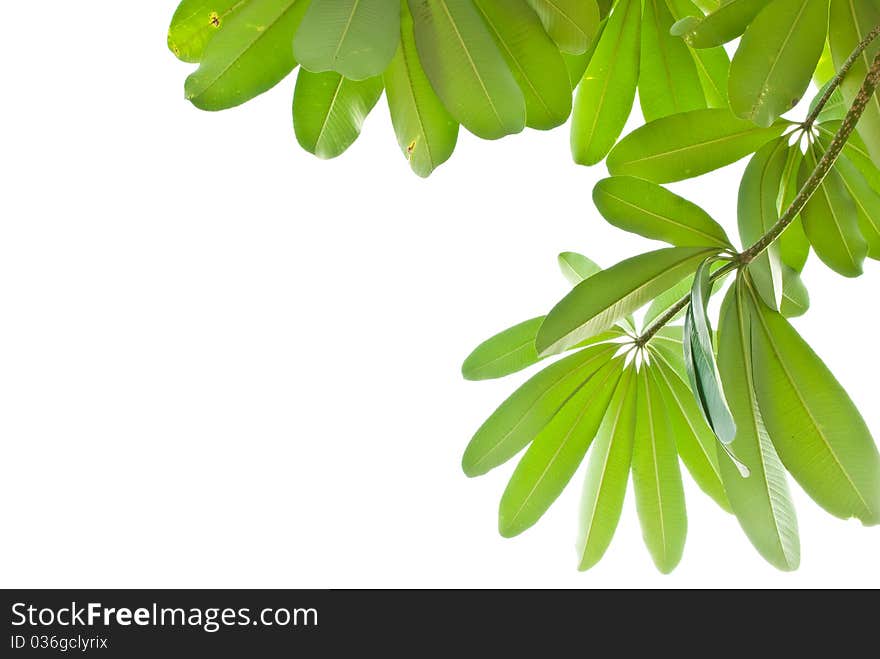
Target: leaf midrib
666	218
346	29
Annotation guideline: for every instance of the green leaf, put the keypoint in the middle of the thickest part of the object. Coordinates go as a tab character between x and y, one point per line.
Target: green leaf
689	144
794	248
817	430
694	439
835	108
665	301
577	267
713	66
557	452
597	304
668	80
571	23
249	56
851	21
825	70
867	202
699	359
646	209
507	352
356	38
724	24
855	150
831	222
761	502
329	110
426	132
774	63
577	64
657	479
195	23
533	58
607	474
531	407
795	296
758	212
466	69
606	93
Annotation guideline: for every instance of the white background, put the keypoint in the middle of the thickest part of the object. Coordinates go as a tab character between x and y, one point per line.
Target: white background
225	363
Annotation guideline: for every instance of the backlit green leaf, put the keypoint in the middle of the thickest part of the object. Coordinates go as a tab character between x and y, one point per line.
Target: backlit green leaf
250	55
607	473
426	132
855	150
329	110
507	352
794	248
757	213
668	80
776	58
195	23
689	144
867	202
831	222
606	93
525	413
597	304
577	64
577	267
533	58
466	69
795	296
761	502
657	478
571	23
724	24
817	430
649	210
557	452
356	38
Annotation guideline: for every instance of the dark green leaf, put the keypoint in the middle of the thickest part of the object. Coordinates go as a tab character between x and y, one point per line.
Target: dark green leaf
250	55
466	69
606	93
597	304
607	473
645	208
557	452
657	479
761	502
776	58
356	38
329	110
689	144
531	407
533	58
426	132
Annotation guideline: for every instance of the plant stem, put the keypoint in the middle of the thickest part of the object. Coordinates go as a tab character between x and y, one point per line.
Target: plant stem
837	80
869	87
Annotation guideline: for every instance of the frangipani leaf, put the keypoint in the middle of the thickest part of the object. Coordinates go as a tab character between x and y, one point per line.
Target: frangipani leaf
699	359
195	23
249	56
606	93
776	58
533	58
724	24
689	144
571	23
597	304
466	69
758	212
426	132
356	38
329	110
795	296
794	247
657	478
645	208
867	202
608	473
577	267
817	430
508	352
557	452
761	502
524	414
